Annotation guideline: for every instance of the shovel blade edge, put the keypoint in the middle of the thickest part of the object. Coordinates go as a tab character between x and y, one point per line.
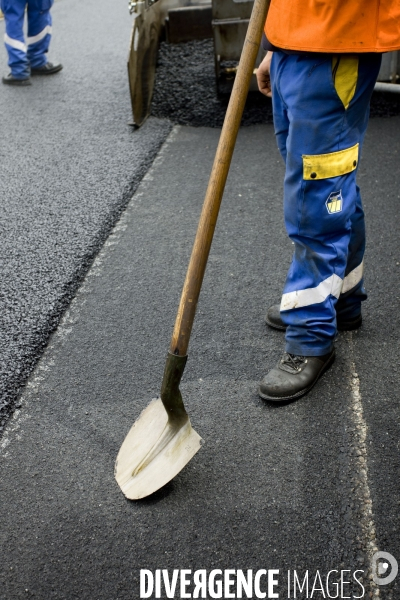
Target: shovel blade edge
169	449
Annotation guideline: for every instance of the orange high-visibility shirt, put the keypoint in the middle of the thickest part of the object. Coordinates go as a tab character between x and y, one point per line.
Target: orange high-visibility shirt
335	26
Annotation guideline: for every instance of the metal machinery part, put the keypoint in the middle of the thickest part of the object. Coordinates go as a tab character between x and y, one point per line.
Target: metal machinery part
224	20
142	56
389	74
390	69
230	19
189	22
150	16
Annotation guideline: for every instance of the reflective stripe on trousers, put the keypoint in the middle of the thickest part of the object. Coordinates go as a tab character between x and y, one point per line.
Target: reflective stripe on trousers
23	55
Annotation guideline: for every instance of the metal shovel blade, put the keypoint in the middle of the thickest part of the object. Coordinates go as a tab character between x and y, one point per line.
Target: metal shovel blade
154	451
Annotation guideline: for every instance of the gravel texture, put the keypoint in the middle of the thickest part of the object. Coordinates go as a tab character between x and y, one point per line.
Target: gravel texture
69	163
385	105
185	90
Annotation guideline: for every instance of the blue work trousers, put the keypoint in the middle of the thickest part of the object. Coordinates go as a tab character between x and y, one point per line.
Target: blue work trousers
320	134
32	53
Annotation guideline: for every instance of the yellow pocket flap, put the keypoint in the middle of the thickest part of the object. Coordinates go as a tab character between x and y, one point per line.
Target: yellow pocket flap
322	166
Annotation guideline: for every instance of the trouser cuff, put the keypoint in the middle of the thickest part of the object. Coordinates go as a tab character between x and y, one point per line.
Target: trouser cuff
309	349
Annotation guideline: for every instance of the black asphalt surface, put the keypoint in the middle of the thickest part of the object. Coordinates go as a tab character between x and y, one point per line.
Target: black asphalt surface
69	163
273	487
287	487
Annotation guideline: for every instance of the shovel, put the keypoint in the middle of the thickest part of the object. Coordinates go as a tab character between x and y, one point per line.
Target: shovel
162	441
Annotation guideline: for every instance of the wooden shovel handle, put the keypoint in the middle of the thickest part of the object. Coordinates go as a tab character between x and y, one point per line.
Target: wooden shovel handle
216	185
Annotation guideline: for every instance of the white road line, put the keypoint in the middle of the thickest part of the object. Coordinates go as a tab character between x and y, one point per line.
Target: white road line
361	486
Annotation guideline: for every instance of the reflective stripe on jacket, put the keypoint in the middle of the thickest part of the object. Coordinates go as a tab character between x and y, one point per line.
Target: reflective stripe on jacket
334	25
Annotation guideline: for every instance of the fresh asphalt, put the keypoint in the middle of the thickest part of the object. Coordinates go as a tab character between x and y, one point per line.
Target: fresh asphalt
69	163
273	487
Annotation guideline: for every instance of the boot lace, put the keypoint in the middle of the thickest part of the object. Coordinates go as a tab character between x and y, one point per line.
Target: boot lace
293	361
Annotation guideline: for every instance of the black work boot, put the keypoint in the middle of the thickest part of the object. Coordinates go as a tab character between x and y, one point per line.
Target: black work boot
11	80
294	376
273	319
47	69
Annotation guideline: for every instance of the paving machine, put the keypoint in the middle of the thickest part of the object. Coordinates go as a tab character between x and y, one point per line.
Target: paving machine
225	21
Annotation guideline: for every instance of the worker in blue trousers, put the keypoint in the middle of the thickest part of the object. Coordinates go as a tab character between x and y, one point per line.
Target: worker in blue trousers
323	60
26	58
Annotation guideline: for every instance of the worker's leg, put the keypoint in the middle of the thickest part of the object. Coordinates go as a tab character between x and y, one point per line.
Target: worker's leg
348	307
323	212
13	11
327	105
353	292
39	31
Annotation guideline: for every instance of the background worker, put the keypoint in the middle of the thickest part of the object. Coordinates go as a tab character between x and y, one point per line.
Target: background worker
320	72
30	58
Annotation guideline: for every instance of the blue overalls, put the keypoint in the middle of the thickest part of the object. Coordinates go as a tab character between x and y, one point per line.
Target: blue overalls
321	110
22	56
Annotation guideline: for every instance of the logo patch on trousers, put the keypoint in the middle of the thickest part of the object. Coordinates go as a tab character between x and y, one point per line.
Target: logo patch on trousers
334	204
